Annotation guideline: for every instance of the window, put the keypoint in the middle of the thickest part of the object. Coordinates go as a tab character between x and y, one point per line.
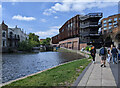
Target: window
105	28
115	25
104	21
3	43
115	19
68	25
62	30
110	27
15	35
110	23
105	24
18	36
110	20
3	34
71	24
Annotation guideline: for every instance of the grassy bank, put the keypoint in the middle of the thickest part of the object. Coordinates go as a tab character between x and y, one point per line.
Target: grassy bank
63	75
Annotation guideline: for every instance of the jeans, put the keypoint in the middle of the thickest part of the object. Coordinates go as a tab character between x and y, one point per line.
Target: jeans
114	57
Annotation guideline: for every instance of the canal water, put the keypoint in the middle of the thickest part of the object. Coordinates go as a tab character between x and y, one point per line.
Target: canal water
19	65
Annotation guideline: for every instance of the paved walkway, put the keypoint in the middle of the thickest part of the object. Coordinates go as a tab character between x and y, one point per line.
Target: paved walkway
98	76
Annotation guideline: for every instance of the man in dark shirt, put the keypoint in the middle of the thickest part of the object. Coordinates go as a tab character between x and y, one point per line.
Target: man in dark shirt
93	52
114	52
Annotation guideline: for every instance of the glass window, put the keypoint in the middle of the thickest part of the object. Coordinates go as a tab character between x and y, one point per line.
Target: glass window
115	25
105	28
110	27
115	19
3	34
104	21
105	24
110	23
109	20
71	24
3	43
62	30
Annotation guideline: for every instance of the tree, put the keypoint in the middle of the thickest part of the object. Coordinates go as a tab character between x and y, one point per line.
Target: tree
46	41
34	39
27	45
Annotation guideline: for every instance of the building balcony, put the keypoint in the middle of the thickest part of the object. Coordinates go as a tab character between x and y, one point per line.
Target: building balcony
13	37
91	15
10	36
89	24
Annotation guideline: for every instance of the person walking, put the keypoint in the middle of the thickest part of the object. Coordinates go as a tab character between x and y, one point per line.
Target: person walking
93	53
118	54
103	54
114	52
109	56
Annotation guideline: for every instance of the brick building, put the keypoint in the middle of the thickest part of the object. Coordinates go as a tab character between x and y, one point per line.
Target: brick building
110	30
79	31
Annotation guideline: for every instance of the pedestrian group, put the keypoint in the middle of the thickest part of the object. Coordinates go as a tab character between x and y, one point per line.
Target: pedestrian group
112	54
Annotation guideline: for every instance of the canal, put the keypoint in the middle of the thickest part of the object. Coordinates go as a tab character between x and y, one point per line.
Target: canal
19	65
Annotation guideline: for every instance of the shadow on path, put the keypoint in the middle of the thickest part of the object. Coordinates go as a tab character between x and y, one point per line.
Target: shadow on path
116	72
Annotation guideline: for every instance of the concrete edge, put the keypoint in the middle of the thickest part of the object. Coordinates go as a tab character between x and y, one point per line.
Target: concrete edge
81	75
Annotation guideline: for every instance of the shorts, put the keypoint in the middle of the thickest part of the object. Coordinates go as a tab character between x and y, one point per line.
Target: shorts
103	57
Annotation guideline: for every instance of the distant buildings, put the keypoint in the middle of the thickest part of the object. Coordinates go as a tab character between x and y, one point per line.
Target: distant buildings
111	30
11	36
79	32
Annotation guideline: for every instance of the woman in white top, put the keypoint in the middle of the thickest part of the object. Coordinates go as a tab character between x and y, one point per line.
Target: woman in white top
109	57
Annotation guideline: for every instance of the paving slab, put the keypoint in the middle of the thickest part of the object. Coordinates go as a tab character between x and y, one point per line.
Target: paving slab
97	76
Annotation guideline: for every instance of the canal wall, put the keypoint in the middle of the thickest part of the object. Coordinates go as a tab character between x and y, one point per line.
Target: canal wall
85	54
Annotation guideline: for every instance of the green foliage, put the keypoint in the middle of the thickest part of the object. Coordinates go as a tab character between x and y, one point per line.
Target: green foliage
24	46
45	41
87	48
27	45
33	37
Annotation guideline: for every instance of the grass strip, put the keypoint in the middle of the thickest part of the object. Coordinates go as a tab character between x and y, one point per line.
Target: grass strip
63	75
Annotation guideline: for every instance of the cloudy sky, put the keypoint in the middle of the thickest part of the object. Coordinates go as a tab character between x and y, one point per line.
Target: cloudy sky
45	18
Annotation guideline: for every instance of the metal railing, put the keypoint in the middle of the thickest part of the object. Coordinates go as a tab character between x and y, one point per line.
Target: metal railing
89	24
91	15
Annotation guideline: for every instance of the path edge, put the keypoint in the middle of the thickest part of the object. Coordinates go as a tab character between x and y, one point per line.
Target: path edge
80	76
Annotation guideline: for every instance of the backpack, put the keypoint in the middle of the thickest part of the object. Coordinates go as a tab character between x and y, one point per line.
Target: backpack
90	49
102	51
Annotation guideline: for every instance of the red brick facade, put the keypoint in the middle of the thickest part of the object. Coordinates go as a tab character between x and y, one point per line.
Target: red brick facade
69	30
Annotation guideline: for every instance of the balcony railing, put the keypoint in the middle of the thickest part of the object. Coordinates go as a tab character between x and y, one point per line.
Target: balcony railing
89	24
13	37
90	15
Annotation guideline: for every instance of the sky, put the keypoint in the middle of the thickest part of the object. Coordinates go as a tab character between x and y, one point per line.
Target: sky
45	18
